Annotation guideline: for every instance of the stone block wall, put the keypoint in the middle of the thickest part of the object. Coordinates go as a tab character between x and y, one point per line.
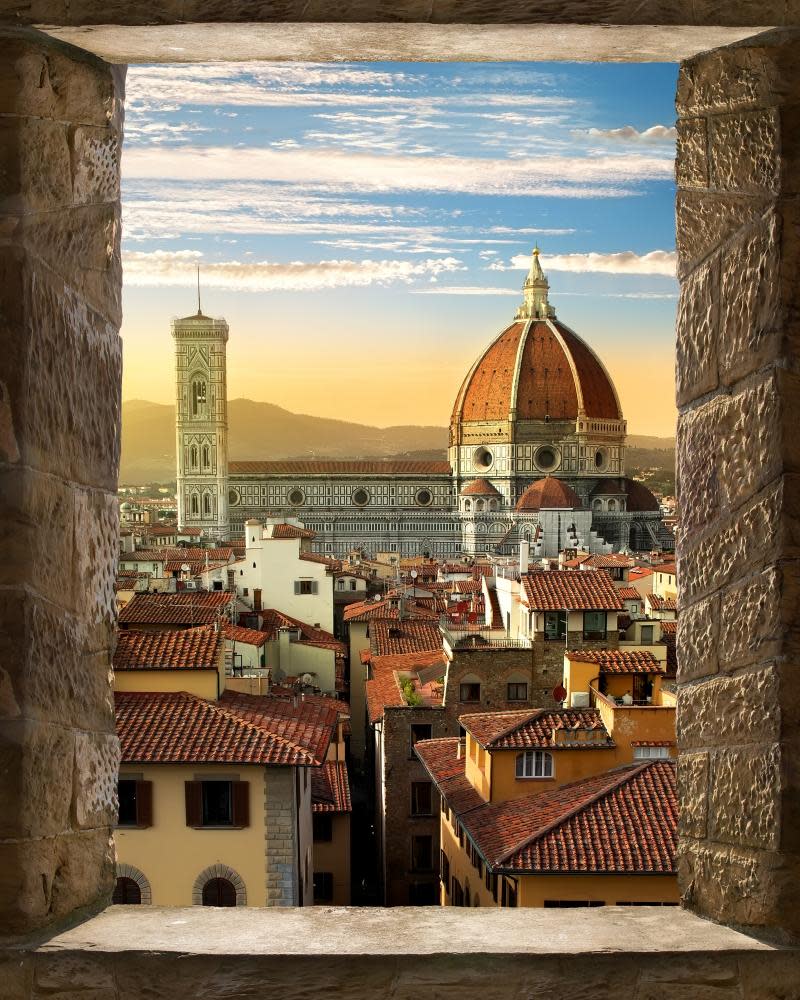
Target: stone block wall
738	389
280	837
60	368
495	666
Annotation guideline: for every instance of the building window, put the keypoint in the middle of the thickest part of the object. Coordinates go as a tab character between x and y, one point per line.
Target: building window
457	893
647	635
306	586
193	456
126	891
195	504
444	870
198	397
421	798
555	624
323	887
217	804
340	584
419	731
534	764
219	892
206	504
135	803
469	691
594	624
509	893
421	853
517	691
423	894
650	753
323	828
206	456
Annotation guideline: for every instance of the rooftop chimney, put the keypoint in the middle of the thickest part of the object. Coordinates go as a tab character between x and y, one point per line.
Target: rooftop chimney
524	551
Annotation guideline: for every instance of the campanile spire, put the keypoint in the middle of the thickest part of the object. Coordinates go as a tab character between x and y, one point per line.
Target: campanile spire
534	291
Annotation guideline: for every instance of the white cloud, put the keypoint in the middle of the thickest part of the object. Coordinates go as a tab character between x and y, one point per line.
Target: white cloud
661	262
165	268
553	176
464	290
654	134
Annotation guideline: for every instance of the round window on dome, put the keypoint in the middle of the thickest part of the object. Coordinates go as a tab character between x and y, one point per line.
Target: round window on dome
600	459
546	458
423	497
296	497
360	497
482	459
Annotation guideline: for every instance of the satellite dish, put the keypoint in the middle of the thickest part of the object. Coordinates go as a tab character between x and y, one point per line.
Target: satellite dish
306	678
185	567
376	598
559	692
414	574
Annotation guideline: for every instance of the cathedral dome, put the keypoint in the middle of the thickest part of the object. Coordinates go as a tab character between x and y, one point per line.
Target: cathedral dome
536	370
548	494
479	488
637	496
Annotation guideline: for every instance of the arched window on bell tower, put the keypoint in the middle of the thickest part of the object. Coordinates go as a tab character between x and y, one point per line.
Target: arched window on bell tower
193	456
206	456
195	504
198	397
206	503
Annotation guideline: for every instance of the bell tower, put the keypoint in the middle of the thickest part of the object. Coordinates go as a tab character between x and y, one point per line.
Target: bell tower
201	423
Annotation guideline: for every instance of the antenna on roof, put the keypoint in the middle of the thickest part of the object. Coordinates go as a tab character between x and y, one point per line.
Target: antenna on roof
199	311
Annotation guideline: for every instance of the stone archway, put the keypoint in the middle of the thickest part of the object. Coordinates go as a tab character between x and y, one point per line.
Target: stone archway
124	870
219	871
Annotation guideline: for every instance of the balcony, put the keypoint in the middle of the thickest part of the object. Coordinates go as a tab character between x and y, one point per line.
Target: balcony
461	635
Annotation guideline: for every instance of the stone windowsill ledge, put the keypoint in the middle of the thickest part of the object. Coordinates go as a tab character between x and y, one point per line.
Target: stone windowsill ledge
641	953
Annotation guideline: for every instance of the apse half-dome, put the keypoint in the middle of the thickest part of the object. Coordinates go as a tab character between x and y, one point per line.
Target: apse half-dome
548	494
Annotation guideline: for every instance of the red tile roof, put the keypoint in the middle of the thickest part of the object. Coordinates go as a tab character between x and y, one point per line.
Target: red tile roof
528	729
669	628
637	496
629	594
621	822
441	760
479	488
177	649
179	728
661	603
250	636
570	590
609	560
619	661
291	531
330	788
387	637
383	689
337	468
549	494
187	607
273	620
366	611
333	565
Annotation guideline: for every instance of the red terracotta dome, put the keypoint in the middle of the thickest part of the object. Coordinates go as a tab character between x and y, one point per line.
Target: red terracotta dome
479	488
637	496
537	369
549	494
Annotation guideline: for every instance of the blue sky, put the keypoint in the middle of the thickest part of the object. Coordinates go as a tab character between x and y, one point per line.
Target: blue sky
365	228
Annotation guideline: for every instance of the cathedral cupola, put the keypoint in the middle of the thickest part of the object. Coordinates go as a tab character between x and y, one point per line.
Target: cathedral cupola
534	291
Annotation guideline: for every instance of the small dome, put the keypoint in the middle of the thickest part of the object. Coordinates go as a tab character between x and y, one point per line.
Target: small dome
637	496
549	494
479	488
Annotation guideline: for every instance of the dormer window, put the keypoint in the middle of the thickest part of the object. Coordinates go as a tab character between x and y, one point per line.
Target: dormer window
535	764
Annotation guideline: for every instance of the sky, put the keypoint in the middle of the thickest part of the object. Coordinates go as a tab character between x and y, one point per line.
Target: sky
365	228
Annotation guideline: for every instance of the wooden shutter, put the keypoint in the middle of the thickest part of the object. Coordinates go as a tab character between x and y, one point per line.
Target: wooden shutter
297	586
194	803
315	587
241	803
144	803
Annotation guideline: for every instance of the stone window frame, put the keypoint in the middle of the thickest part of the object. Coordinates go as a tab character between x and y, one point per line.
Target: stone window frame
219	871
125	870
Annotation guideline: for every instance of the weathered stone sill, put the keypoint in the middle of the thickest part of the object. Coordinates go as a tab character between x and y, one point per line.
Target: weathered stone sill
633	952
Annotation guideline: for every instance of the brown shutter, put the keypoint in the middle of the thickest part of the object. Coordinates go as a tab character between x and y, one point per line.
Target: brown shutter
241	803
194	803
144	803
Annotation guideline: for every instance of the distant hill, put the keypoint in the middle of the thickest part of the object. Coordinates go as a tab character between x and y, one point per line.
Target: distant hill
266	431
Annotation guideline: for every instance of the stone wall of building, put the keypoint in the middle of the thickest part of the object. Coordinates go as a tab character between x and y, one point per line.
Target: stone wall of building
496	666
280	837
738	452
60	366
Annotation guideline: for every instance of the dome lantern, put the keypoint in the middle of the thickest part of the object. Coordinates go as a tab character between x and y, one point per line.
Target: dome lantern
534	291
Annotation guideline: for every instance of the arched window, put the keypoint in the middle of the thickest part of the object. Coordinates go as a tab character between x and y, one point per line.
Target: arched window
195	504
479	505
535	764
206	456
597	503
126	891
219	892
467	505
612	504
193	456
206	503
198	397
492	505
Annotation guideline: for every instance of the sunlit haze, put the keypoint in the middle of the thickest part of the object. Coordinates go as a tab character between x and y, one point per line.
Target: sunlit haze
365	228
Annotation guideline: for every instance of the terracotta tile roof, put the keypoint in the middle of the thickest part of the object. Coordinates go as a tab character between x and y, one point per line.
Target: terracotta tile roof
250	636
190	532
145	555
667	567
177	649
549	493
386	637
339	468
629	594
187	607
466	586
653	743
571	590
640	573
480	488
220	554
637	496
661	603
609	560
623	821
273	620
196	566
383	689
529	729
669	628
330	788
316	557
291	531
179	728
366	611
619	661
446	768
